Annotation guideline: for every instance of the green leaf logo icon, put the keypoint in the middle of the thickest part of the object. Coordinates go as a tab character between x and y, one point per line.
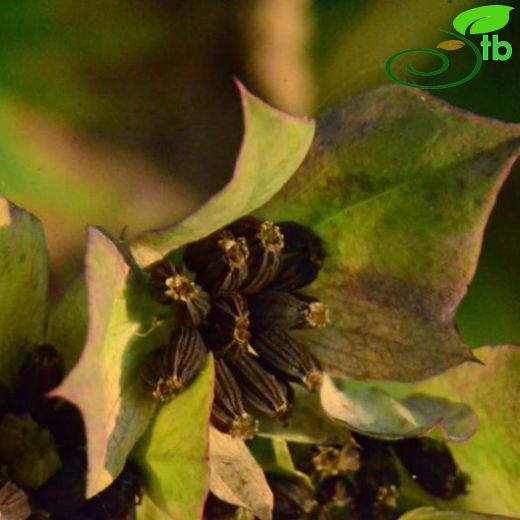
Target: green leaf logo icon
480	20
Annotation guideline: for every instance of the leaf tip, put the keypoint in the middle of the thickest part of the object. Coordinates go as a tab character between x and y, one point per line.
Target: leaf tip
465	434
247	98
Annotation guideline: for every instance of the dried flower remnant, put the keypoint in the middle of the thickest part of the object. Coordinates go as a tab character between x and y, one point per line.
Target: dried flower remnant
249	272
336	460
14	503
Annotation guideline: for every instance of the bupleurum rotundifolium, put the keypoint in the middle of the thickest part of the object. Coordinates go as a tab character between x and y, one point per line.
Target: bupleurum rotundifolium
238	294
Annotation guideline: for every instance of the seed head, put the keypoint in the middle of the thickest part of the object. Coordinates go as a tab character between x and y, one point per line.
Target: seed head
228	412
317	315
303	257
331	460
235	251
226	330
278	309
289	360
171	368
262	392
219	261
271	237
170	287
249	269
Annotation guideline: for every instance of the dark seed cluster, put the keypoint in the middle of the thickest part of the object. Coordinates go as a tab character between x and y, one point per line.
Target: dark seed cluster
42	452
238	295
360	480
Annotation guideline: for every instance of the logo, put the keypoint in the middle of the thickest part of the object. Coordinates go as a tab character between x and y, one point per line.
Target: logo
480	20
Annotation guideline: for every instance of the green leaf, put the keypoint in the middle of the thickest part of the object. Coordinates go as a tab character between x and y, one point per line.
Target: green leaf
484	19
147	510
307	424
173	453
399	186
67	325
23	286
275	457
430	513
488	314
373	412
273	146
492	456
104	383
236	477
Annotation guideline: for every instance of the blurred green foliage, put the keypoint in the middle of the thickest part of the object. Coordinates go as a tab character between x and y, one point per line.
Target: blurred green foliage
133	101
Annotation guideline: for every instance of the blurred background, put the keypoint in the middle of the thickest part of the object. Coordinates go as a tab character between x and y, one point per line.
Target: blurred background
123	113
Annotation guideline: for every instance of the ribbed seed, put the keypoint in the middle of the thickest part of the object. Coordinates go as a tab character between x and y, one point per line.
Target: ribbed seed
302	260
265	259
172	367
228	413
226	330
278	309
219	261
168	286
281	354
262	392
41	371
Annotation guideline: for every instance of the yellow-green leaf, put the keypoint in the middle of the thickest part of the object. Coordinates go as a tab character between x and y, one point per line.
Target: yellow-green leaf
23	286
104	384
67	325
492	456
430	513
173	454
399	186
